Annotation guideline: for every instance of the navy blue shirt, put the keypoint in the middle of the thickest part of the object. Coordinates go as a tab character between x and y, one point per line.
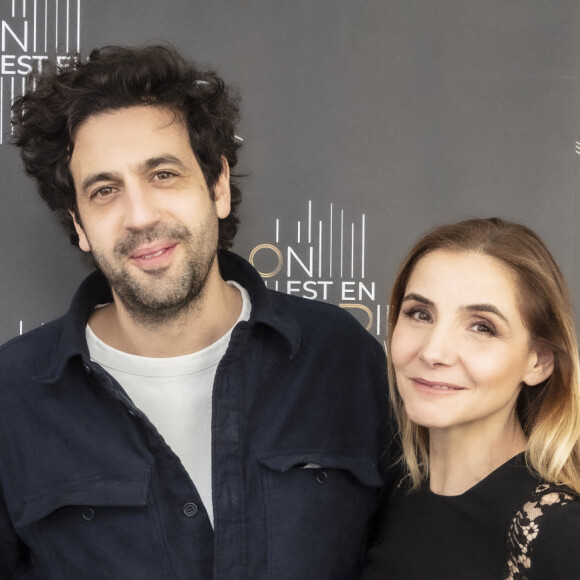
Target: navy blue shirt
89	489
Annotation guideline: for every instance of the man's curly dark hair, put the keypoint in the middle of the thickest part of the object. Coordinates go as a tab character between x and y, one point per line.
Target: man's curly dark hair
61	97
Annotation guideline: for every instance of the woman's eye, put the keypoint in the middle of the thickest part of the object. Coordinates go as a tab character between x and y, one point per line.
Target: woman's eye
484	328
417	314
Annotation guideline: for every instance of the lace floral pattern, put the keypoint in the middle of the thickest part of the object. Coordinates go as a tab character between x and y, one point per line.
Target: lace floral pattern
525	527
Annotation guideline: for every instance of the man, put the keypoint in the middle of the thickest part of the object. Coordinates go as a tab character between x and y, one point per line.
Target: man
181	421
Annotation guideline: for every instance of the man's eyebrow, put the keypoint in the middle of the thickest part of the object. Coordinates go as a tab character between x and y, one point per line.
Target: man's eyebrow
96	178
418	298
486	308
154	162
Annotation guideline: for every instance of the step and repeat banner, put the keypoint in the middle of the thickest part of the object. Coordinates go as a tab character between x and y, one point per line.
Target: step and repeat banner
364	124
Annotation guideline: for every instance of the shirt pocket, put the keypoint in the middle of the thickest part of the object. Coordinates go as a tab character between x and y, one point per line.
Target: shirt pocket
319	506
96	528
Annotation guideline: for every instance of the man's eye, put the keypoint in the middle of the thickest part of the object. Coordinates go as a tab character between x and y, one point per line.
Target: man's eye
102	192
164	175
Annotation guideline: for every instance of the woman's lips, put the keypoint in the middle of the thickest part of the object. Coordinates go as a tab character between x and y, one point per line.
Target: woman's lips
436	386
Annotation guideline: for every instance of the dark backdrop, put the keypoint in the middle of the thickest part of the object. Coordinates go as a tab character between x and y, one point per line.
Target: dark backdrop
364	123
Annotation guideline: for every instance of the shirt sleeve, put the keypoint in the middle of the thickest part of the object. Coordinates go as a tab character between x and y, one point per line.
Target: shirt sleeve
556	550
10	545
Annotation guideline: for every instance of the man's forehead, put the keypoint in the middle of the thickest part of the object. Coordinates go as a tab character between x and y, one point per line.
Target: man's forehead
154	116
138	126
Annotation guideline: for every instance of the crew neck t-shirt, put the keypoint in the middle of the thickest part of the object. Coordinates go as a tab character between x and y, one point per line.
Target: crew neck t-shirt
175	394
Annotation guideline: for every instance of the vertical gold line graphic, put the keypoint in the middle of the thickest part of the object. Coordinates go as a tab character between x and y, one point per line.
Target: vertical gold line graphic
341	241
67	23
1	110
34	26
363	245
330	243
78	25
45	25
320	249
352	250
309	221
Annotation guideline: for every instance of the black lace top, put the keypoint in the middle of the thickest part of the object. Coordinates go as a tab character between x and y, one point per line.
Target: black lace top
509	526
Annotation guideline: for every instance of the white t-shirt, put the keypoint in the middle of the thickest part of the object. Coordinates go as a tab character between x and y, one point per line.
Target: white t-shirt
176	395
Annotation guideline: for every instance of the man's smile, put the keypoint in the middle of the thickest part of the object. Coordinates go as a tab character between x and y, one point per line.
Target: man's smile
153	255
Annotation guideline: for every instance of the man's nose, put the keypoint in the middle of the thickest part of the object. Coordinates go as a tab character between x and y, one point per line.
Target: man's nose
141	207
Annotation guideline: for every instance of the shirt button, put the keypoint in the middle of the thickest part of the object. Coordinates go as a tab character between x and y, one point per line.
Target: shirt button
190	509
321	477
88	514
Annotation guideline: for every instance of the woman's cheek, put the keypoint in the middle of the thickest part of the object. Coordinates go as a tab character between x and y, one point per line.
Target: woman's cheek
404	345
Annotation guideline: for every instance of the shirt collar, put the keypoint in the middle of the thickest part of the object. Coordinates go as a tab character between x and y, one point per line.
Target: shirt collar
95	290
264	311
71	341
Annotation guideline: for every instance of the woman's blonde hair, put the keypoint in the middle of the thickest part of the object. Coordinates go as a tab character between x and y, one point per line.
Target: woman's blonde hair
549	412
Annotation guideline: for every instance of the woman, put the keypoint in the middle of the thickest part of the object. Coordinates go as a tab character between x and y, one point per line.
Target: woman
485	385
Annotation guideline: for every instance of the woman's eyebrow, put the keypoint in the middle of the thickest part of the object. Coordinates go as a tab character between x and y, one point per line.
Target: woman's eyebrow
483	307
486	308
418	298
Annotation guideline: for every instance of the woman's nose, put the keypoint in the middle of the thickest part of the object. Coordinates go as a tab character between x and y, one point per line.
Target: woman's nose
440	347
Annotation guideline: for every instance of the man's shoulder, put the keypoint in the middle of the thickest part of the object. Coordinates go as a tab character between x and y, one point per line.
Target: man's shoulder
318	319
299	305
36	345
65	333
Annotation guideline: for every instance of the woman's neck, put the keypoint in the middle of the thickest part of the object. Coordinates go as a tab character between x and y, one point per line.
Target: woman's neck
459	458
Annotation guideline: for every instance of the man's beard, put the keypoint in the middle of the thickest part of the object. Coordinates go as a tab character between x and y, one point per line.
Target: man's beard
163	298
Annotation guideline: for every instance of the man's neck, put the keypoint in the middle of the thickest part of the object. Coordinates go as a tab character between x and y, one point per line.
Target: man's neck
213	314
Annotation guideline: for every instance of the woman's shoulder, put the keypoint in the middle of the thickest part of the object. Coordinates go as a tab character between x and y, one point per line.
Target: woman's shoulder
543	535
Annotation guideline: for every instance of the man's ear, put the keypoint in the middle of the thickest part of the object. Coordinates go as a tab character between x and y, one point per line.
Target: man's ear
83	241
222	194
541	367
